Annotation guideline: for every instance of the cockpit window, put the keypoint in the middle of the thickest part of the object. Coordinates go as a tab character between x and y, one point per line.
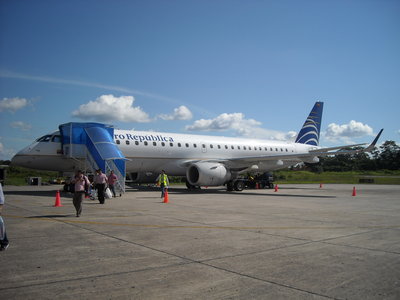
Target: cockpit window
45	138
56	139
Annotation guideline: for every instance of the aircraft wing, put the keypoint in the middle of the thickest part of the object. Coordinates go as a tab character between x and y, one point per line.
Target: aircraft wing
238	162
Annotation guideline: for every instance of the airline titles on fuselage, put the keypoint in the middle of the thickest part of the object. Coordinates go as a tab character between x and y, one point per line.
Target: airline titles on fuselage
141	138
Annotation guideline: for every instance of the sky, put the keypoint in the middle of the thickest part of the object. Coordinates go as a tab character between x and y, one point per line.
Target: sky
224	67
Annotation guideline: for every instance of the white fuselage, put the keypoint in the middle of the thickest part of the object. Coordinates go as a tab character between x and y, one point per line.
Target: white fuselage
151	152
154	151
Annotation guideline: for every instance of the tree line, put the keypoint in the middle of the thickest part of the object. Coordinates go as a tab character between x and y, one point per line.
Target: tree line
384	157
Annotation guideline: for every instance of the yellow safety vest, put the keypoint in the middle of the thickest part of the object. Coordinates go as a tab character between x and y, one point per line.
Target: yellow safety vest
163	179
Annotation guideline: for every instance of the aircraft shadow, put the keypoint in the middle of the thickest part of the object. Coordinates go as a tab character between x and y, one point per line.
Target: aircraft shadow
50	216
223	191
37	193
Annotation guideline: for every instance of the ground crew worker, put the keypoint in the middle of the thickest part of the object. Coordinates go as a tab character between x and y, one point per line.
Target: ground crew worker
163	182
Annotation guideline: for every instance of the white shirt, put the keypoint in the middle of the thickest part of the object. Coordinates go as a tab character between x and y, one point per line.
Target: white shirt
1	195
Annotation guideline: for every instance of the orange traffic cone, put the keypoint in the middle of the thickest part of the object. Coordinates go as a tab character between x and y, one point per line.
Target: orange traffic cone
320	185
166	196
276	187
58	201
354	191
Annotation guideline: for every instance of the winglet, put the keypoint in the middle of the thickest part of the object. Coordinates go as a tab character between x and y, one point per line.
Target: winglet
372	146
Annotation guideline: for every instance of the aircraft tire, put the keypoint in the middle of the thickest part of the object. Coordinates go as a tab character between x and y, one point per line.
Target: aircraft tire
229	186
239	185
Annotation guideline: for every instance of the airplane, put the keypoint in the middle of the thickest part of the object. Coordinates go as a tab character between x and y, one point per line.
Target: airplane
203	160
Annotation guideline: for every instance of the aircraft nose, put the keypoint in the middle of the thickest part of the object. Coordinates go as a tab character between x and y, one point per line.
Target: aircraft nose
23	158
19	160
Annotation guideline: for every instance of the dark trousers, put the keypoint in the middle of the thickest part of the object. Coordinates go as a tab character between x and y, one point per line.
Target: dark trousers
100	192
77	200
112	189
162	190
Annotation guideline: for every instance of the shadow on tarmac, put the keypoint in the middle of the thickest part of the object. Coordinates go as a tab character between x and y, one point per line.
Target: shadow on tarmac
215	191
182	190
49	216
36	193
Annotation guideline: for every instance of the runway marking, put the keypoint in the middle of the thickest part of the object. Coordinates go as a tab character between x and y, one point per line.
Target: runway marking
55	218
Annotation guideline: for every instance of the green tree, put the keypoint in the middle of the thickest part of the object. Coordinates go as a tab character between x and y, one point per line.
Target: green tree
389	156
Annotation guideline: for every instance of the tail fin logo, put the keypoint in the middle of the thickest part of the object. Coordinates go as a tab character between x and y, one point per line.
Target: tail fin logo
309	133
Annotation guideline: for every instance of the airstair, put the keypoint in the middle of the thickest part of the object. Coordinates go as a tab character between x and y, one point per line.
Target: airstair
92	146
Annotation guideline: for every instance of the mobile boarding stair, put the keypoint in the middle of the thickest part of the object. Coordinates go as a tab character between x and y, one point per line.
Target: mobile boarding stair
92	146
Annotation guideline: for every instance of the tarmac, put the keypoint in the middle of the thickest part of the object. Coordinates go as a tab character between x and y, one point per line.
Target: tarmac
300	242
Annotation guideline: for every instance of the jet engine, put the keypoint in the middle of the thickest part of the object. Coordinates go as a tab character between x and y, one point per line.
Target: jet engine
207	173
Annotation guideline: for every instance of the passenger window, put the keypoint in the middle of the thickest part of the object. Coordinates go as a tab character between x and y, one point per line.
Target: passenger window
233	147
137	143
163	144
219	147
276	149
195	145
204	145
238	147
266	149
211	146
187	145
146	143
281	150
226	146
171	144
286	150
179	145
271	149
154	144
244	148
127	142
249	148
117	142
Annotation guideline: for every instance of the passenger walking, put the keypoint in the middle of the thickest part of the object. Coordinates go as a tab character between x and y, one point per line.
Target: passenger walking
163	182
81	188
3	235
112	178
100	180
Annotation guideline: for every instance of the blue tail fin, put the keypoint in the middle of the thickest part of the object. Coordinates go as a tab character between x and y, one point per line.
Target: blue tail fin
309	133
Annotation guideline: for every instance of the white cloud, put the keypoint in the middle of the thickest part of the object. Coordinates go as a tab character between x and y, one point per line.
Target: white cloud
235	121
21	125
5	153
346	132
243	127
112	108
13	104
180	113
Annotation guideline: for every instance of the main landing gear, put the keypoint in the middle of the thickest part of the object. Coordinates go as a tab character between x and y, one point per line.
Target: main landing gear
237	185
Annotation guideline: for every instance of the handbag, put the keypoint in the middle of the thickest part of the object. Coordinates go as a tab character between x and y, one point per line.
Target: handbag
107	193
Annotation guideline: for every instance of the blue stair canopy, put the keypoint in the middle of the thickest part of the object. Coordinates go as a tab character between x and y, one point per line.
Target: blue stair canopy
97	137
102	147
